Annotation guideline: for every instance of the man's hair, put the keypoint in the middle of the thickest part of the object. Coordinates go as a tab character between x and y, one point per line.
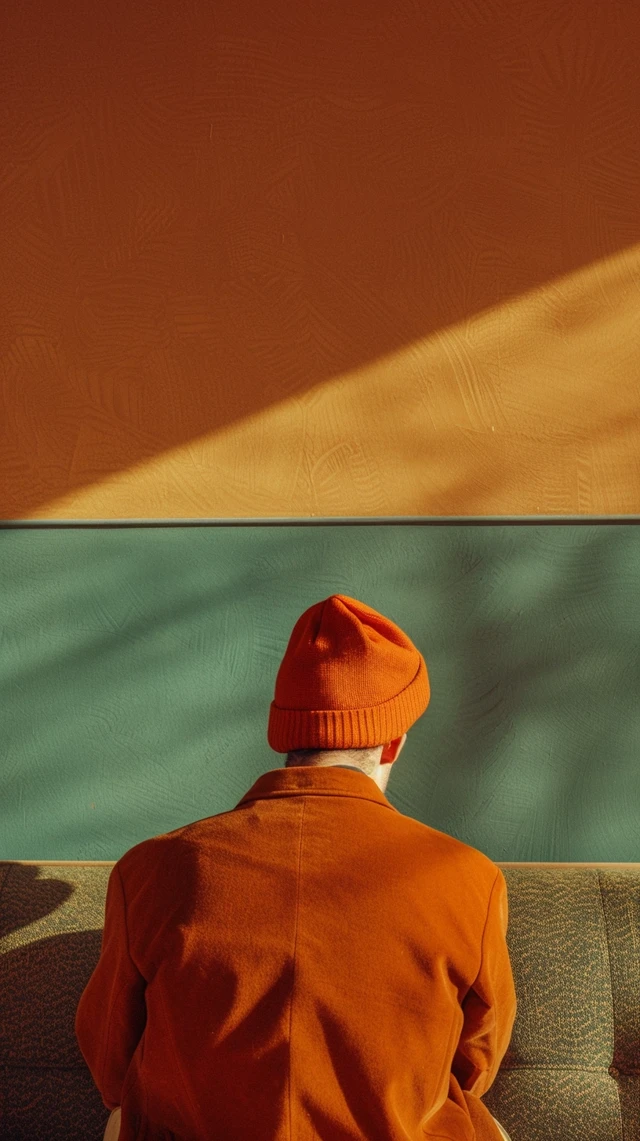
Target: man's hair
365	759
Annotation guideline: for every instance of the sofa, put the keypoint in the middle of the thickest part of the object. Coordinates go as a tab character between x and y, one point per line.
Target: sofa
571	1072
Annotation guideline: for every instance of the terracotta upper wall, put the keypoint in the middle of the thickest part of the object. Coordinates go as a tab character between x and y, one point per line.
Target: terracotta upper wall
264	260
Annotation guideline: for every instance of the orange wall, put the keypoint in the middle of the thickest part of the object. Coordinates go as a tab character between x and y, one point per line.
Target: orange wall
271	260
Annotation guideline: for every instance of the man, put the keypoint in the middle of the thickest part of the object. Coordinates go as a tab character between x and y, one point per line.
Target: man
312	964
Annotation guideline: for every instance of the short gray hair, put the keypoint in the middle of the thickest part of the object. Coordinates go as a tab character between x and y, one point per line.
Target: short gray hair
364	759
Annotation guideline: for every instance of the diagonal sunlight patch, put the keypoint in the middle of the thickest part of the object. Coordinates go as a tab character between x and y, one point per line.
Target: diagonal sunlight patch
528	407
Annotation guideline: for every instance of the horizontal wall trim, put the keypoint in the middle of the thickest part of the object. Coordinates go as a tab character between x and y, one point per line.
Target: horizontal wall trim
340	520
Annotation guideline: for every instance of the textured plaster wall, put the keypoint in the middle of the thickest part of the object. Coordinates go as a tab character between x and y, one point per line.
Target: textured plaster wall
138	666
264	259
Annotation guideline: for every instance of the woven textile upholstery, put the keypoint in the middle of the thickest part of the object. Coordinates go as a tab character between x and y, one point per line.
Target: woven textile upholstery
572	1070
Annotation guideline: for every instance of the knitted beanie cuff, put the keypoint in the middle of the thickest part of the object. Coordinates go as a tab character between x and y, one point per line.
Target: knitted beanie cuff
290	729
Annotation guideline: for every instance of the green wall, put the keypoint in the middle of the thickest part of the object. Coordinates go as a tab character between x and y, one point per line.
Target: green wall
137	664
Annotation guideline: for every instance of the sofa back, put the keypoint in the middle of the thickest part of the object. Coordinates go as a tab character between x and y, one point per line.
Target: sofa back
572	1068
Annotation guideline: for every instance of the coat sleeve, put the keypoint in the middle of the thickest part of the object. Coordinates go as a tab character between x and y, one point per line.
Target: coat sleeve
489	1007
111	1015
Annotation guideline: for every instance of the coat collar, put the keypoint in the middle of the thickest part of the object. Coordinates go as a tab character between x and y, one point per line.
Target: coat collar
307	780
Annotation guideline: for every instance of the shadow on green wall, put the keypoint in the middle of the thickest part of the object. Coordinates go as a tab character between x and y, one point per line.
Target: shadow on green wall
138	666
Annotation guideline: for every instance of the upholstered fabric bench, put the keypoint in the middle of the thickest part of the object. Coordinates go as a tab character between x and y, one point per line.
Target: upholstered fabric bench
571	1073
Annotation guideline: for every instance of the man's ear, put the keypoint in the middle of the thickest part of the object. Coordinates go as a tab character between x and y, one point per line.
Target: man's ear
391	750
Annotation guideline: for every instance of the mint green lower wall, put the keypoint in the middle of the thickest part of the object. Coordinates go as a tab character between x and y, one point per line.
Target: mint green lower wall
137	665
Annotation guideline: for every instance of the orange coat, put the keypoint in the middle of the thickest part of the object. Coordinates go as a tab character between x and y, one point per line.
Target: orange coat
312	964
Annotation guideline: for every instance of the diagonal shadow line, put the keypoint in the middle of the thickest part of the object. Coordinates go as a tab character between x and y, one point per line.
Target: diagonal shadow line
198	258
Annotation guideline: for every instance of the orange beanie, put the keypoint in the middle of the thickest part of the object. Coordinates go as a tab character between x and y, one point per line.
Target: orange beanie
350	679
